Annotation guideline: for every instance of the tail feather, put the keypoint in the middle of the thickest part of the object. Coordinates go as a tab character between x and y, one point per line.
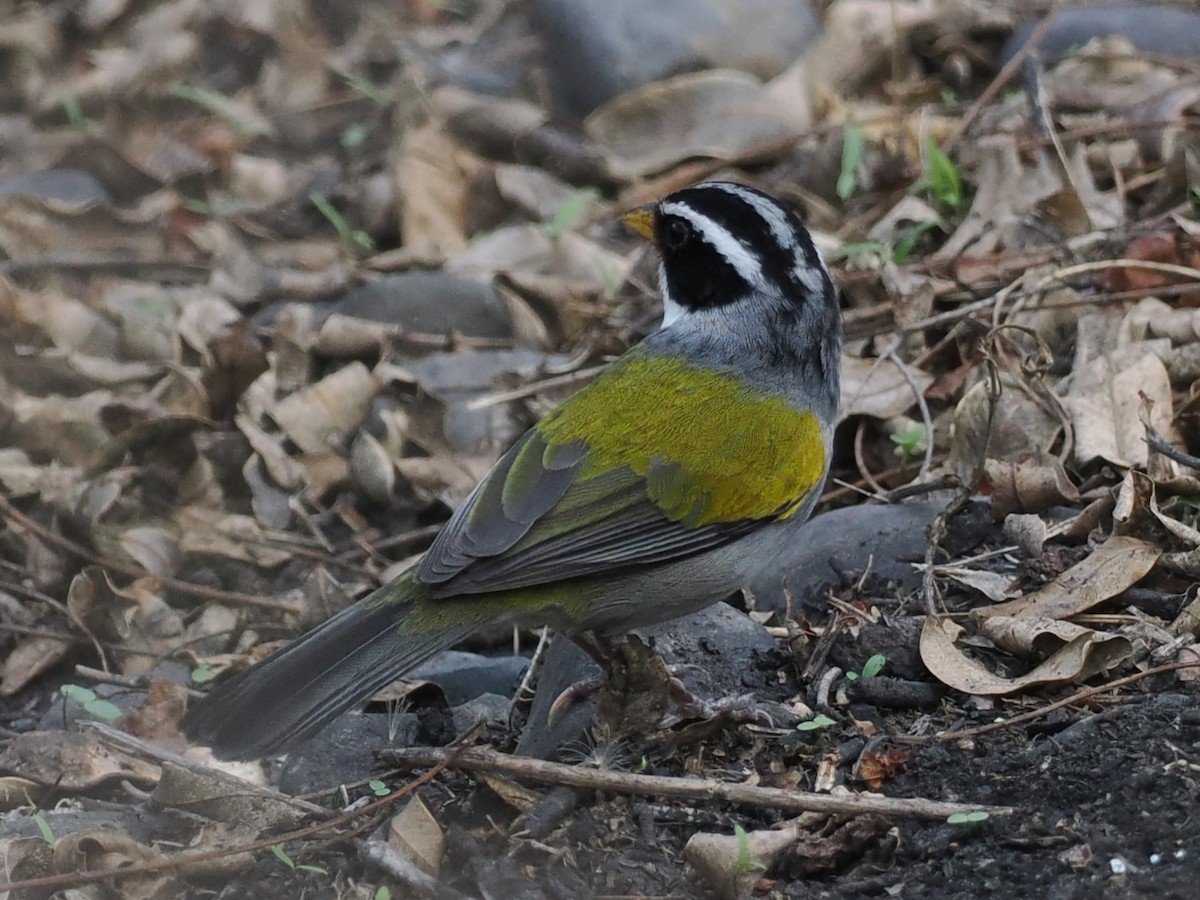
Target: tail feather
296	692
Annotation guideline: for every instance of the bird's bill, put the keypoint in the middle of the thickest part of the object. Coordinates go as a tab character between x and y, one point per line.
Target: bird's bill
641	221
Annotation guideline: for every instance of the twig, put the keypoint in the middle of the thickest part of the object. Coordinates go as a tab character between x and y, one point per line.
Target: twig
937	531
482	760
391	861
1003	77
926	418
175	584
1078	697
1160	445
182	860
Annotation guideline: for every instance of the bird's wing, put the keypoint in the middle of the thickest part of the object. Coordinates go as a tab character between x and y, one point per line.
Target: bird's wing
652	462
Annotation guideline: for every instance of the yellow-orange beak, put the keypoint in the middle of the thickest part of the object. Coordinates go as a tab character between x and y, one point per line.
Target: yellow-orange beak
641	221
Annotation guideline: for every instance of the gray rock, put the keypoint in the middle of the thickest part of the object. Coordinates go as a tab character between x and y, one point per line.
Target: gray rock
1151	28
595	51
343	752
839	544
720	641
484	708
464	676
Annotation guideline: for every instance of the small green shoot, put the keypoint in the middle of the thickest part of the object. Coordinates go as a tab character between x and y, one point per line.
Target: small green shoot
203	674
73	110
816	723
943	178
863	254
240	121
353	239
365	88
570	213
378	788
282	856
354	135
909	443
92	705
744	862
44	827
967	818
874	665
908	239
383	892
854	145
870	669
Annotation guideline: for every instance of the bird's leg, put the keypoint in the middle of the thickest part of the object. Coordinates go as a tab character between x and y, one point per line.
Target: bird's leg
635	684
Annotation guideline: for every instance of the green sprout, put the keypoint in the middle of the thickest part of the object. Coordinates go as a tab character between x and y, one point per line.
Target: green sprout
745	862
378	788
92	705
816	723
967	818
45	829
870	669
353	239
570	213
854	145
282	856
910	443
942	178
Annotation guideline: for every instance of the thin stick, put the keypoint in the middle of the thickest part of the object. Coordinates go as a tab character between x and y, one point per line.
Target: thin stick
1077	697
1002	78
183	860
482	760
926	418
175	584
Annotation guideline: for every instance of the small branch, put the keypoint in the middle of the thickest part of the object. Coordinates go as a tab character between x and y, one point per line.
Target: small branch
1077	697
175	584
481	760
1160	445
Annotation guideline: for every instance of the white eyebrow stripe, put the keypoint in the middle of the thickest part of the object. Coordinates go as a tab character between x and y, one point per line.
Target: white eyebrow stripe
783	232
719	238
781	228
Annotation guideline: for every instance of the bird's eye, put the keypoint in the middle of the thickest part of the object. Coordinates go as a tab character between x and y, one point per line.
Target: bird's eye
676	234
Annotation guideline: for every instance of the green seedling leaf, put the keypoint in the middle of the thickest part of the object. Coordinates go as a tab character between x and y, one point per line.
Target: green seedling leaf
944	179
203	674
908	240
570	213
78	693
744	863
304	867
45	829
854	145
967	818
383	892
874	665
352	239
816	722
102	709
378	788
282	856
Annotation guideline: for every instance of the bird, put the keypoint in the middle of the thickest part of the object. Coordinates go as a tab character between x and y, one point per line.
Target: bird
656	490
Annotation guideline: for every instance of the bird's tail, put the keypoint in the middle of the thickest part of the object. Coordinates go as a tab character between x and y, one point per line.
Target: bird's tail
299	690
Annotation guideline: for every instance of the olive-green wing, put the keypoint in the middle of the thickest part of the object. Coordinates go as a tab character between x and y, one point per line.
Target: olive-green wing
538	518
652	462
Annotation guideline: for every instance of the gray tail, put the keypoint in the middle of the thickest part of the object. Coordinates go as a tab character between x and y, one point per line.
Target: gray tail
297	691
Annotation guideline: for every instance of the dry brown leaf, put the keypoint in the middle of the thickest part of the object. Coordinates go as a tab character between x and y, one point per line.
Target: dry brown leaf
716	113
878	387
28	659
70	761
873	769
1032	484
104	850
950	666
1115	566
415	832
993	585
321	416
1105	403
1036	638
432	174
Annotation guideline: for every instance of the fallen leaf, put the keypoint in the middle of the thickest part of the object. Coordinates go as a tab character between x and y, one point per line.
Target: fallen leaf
879	388
1115	566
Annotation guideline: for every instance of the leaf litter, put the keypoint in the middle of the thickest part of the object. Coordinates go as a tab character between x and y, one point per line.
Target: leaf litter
215	437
